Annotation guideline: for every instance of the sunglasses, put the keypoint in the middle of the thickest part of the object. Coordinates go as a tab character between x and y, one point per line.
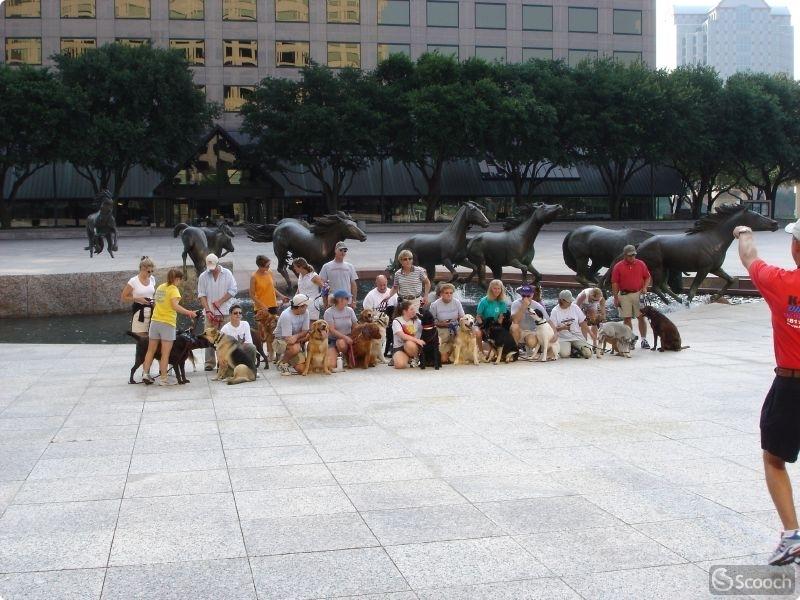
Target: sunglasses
236	313
405	259
149	270
342	249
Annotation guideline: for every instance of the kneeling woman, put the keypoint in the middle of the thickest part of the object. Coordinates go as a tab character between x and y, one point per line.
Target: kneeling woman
340	318
407	330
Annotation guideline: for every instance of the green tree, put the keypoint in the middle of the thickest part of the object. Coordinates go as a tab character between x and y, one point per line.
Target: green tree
763	113
34	112
322	125
623	121
139	105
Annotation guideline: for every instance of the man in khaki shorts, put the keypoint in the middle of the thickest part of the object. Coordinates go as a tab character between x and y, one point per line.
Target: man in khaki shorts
629	280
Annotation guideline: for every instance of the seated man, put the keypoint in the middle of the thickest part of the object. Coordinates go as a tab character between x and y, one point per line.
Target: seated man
570	324
593	305
523	322
291	333
239	329
446	312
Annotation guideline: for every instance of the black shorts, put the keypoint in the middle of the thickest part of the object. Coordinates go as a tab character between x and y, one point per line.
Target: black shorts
780	419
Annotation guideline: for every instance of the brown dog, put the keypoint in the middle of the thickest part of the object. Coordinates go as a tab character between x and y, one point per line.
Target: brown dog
317	348
363	336
366	316
266	330
663	328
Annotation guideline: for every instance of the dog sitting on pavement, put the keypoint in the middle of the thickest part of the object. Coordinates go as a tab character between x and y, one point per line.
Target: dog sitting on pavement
503	348
364	336
465	346
430	356
618	335
544	349
317	348
266	322
663	328
231	354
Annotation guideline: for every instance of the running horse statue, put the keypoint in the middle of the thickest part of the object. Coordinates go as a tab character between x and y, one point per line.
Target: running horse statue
589	248
199	242
315	242
448	247
700	250
513	247
102	224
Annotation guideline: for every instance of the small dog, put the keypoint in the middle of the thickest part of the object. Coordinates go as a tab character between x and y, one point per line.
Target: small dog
258	342
544	333
663	328
619	336
465	346
429	354
317	348
382	320
231	354
367	315
185	342
503	348
266	322
364	336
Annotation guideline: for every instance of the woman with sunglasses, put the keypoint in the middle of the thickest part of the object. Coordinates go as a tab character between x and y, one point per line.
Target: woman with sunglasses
139	291
410	282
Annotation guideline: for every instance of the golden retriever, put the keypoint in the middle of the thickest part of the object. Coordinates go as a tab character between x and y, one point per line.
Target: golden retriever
465	346
266	329
317	348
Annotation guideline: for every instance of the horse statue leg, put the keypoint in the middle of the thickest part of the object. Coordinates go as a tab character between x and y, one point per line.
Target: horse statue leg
111	246
283	269
452	268
184	254
431	271
696	283
729	281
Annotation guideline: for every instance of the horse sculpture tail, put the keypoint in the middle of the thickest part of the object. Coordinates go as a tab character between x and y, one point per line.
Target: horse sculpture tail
569	257
178	228
260	233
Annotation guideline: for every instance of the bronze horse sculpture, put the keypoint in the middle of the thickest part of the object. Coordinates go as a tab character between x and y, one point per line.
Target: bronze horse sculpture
589	248
102	224
448	247
315	242
513	247
700	250
199	242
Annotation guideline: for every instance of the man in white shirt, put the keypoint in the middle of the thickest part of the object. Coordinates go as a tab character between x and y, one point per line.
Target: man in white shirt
379	294
570	324
239	329
291	332
216	289
340	274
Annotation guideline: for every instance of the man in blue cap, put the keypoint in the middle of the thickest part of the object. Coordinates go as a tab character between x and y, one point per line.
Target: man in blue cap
523	324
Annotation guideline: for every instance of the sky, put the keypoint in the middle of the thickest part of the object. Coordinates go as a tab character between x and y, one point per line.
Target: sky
665	28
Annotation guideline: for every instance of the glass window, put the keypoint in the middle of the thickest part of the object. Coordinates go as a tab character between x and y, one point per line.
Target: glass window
444	49
292	54
627	57
191	10
291	10
394	12
537	53
537	18
384	50
344	54
193	50
239	10
577	56
23	51
235	96
583	19
23	9
132	9
132	42
491	53
628	22
77	9
442	14
490	16
240	53
76	46
343	11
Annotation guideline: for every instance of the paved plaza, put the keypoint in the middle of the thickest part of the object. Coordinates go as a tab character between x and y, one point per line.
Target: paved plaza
609	478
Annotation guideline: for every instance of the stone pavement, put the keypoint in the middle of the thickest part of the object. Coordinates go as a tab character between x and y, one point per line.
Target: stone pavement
609	478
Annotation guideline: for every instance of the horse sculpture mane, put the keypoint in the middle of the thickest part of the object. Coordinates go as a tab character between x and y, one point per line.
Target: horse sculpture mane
326	223
711	220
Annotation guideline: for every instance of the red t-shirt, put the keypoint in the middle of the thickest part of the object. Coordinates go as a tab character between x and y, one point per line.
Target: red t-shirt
781	290
630	277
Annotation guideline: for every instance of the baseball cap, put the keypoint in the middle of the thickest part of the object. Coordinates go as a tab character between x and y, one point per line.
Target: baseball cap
300	300
565	295
341	294
525	290
212	261
629	250
794	229
341	246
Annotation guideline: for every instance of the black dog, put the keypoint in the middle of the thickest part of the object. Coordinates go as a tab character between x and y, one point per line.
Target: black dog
430	355
185	342
498	336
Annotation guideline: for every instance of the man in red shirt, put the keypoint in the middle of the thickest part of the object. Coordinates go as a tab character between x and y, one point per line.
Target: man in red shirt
780	414
630	278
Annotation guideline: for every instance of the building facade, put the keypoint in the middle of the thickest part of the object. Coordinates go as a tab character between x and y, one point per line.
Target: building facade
735	36
233	44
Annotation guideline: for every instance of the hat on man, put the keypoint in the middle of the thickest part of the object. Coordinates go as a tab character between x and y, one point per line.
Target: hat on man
525	290
794	229
629	250
341	246
341	294
300	300
212	261
565	295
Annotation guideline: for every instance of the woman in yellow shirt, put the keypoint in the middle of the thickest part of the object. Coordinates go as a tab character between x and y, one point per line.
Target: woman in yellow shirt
162	325
262	287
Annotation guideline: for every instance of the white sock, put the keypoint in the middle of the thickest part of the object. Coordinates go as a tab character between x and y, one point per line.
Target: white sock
790	532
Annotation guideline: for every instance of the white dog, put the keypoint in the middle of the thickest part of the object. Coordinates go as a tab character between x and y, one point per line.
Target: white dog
618	335
381	320
465	346
544	333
